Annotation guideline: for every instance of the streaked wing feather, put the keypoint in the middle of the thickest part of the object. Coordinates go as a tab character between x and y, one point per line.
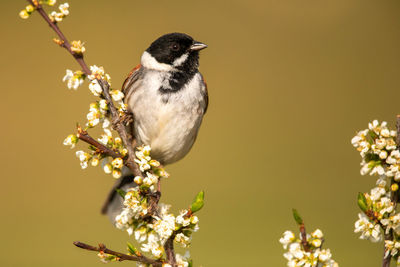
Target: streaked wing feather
205	95
133	77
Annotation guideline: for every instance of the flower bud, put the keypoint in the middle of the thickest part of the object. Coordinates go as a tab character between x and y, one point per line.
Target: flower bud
316	243
138	180
117	163
29	9
394	187
194	219
95	162
118	141
116	173
317	234
24	14
154	163
107	168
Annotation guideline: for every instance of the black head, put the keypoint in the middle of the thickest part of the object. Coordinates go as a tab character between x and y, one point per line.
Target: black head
177	49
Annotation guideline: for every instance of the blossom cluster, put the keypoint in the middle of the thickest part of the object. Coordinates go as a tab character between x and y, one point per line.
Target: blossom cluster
153	230
162	226
29	9
77	47
98	113
59	16
25	13
96	89
113	166
378	211
311	256
97	73
151	167
392	248
378	150
380	156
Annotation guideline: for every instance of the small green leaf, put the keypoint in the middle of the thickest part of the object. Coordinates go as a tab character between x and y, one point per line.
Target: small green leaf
190	263
362	202
297	217
131	248
198	202
121	192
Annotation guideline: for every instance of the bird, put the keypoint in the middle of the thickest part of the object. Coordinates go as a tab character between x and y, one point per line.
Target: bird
167	97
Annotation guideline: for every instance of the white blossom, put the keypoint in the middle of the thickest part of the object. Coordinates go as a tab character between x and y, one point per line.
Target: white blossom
182	261
106	137
182	219
84	158
107	168
95	88
313	257
288	237
182	239
164	227
117	95
73	79
367	229
153	245
71	140
116	173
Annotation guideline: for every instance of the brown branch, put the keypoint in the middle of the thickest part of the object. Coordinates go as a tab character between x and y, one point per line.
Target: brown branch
84	136
115	118
121	256
169	247
394	198
169	250
78	57
120	128
303	235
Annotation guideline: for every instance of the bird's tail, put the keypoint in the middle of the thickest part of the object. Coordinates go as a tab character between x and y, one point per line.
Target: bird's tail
114	202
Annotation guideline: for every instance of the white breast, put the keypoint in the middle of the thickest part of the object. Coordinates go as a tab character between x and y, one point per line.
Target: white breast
167	122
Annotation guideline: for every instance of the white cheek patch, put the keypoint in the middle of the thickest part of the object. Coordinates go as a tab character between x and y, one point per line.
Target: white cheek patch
151	63
177	62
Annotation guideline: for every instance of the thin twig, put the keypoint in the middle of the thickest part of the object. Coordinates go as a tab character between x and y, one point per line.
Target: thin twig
115	118
84	136
65	43
303	235
121	256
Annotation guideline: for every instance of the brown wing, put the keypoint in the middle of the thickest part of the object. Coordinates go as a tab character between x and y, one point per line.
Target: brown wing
205	94
133	77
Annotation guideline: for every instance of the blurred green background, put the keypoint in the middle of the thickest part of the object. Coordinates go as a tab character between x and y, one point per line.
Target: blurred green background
290	83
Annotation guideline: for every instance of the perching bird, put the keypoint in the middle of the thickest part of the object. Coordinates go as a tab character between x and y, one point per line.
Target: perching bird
167	97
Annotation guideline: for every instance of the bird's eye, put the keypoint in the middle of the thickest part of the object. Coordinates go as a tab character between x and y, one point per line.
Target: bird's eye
175	47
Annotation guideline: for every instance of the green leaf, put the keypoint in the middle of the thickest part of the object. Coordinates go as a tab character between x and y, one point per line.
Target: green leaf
198	202
121	192
362	202
190	263
131	248
297	217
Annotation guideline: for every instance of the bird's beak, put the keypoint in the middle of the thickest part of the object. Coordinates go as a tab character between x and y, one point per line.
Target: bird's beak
196	46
